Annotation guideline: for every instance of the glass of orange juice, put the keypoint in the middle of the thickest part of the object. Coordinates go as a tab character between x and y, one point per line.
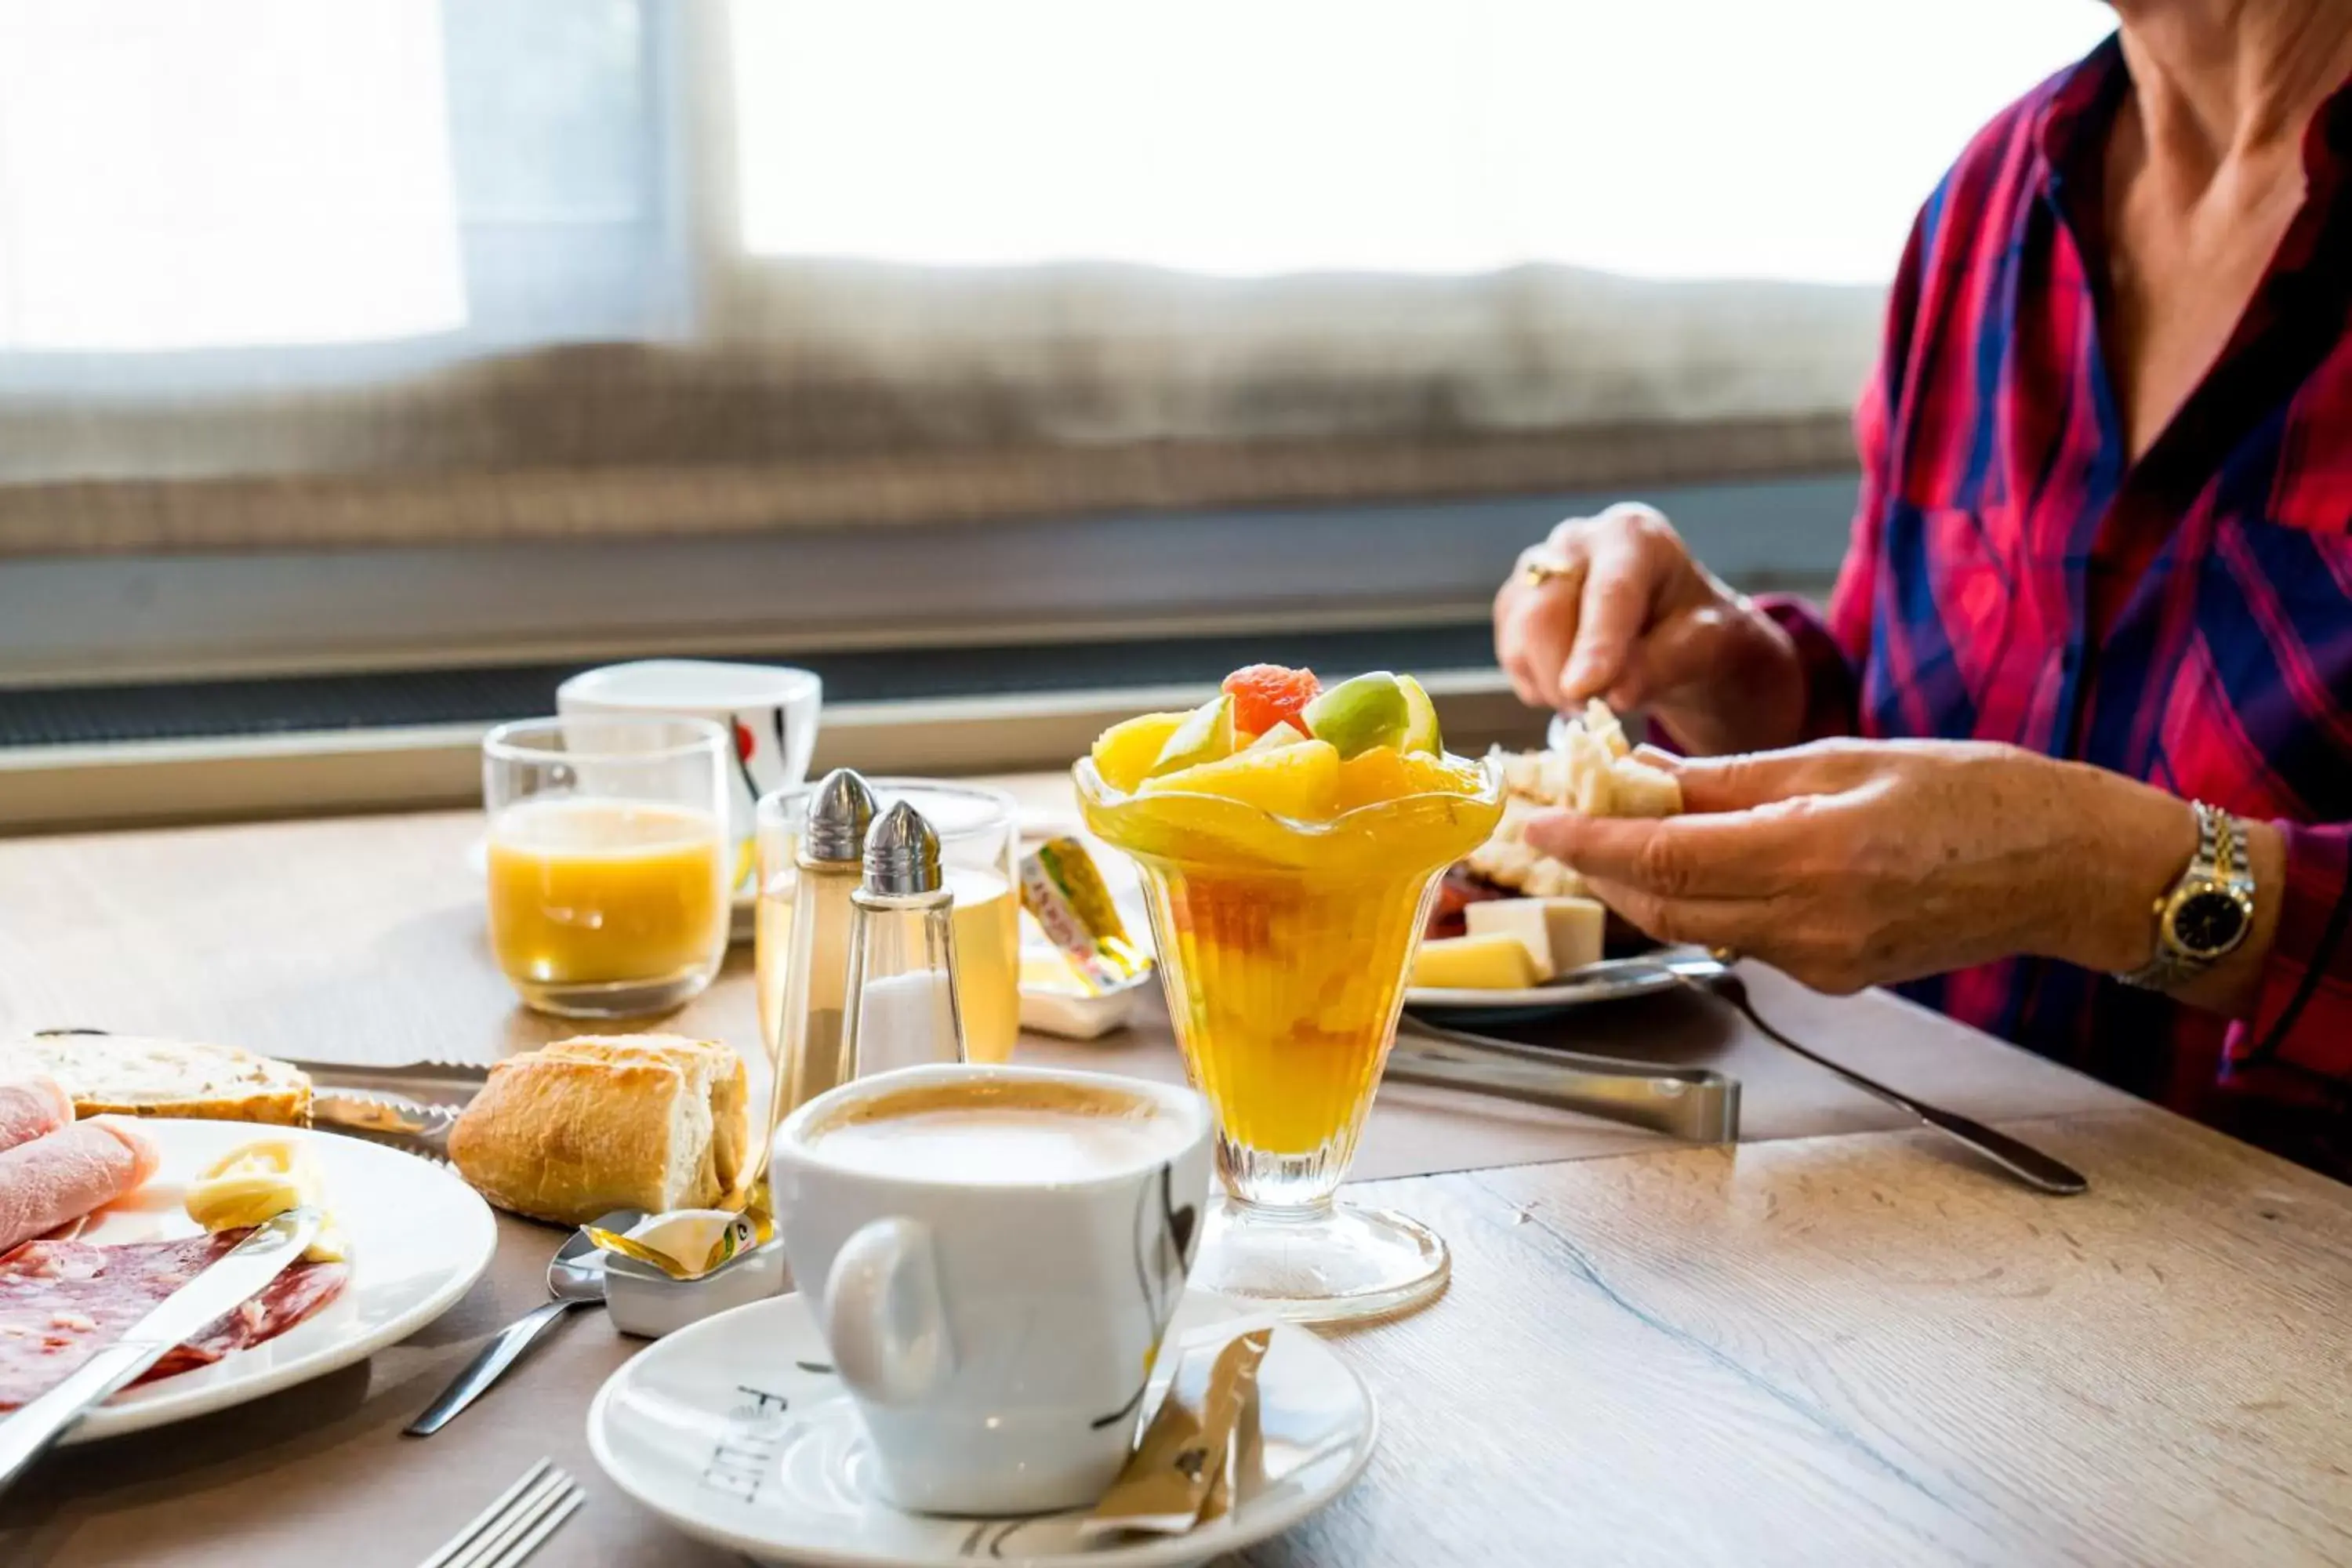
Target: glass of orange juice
978	839
608	862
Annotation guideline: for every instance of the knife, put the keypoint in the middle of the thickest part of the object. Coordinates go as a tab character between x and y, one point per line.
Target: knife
233	1278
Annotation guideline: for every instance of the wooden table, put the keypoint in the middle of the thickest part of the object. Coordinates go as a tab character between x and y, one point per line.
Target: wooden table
1841	1347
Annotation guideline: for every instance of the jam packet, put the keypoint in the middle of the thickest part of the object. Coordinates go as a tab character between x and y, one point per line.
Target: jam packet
1196	1459
1064	888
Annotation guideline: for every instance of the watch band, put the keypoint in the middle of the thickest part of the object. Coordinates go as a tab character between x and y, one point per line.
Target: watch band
2220	865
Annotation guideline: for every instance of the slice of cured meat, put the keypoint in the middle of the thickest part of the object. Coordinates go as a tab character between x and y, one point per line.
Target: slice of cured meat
64	1174
60	1301
30	1107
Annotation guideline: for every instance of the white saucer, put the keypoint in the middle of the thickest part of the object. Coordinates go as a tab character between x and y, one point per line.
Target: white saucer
736	1431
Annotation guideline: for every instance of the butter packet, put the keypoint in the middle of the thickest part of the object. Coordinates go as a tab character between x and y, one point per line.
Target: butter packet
687	1244
1064	888
1191	1466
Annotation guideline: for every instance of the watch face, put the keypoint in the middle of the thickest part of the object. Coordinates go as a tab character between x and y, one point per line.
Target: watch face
2207	923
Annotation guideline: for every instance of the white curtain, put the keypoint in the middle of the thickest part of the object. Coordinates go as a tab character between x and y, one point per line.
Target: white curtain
1222	219
181	175
1717	139
843	260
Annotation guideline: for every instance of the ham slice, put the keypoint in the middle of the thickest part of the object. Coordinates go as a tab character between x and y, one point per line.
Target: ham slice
61	1300
31	1106
64	1174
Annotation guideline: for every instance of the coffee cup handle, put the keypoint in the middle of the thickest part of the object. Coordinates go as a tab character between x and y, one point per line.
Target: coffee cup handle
884	1316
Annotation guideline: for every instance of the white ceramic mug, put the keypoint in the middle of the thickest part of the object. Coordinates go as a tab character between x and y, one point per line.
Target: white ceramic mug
997	1336
769	710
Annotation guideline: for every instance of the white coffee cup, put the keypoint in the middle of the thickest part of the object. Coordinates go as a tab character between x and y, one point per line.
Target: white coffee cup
996	1329
769	710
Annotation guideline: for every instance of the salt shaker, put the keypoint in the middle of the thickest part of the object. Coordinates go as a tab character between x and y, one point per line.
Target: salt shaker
903	1009
811	1041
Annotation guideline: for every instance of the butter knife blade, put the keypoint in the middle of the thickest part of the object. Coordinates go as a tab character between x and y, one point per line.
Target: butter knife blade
233	1278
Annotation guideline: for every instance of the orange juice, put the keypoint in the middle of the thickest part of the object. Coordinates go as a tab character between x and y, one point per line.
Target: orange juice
590	892
987	920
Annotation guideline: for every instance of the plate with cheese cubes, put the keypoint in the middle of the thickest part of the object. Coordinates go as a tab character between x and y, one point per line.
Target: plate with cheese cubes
1513	935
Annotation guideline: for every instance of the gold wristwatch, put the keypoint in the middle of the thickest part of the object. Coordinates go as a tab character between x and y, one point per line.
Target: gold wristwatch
2202	918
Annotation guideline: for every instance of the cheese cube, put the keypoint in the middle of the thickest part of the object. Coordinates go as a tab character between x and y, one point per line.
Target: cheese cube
1474	963
1560	934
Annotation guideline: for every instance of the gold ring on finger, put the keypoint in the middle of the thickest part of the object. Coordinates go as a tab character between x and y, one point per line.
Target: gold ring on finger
1538	571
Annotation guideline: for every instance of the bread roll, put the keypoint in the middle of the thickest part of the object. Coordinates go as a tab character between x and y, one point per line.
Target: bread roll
1603	725
1591	771
128	1075
1508	860
588	1125
1637	789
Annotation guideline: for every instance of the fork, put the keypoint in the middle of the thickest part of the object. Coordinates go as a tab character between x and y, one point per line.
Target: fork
512	1529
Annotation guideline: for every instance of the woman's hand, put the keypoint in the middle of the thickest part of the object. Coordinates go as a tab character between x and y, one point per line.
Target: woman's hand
1854	863
1634	620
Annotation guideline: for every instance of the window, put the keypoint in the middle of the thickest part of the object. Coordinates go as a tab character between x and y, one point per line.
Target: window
279	274
368	335
246	193
295	189
1682	139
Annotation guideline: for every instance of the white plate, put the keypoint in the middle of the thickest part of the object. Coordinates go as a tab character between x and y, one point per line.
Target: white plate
1581	988
419	1238
737	1432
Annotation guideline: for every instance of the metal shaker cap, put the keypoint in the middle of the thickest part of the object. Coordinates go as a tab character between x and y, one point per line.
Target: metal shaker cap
902	854
839	814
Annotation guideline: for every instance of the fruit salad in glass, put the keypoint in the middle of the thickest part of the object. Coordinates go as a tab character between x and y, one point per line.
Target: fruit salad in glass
1290	837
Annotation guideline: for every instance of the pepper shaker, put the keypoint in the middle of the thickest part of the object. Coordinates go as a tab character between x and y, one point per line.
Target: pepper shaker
811	1040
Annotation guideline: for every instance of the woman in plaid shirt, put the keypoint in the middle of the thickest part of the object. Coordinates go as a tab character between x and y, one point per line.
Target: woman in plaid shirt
2102	570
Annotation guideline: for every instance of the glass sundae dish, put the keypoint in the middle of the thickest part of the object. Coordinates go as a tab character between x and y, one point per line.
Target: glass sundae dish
1290	839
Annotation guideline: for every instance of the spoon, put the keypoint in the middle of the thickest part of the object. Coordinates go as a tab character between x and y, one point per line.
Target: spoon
1711	976
575	1277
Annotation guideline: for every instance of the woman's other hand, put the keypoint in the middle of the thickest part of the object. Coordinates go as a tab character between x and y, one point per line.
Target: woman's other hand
1633	619
1854	863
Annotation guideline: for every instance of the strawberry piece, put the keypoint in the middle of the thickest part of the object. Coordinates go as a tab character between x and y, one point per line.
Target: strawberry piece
1266	695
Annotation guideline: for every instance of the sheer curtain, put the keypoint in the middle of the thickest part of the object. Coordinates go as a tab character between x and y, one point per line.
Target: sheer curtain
1687	139
1628	225
232	174
385	270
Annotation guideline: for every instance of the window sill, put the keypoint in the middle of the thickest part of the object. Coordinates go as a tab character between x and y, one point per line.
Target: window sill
328	773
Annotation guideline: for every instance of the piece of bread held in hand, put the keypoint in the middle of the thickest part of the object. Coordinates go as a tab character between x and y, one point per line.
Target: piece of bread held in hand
1592	770
584	1126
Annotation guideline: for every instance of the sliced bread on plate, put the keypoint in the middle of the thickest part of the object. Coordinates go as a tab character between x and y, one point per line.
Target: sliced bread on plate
131	1075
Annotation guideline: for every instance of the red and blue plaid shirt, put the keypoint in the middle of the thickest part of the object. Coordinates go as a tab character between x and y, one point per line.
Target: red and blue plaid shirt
2185	619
